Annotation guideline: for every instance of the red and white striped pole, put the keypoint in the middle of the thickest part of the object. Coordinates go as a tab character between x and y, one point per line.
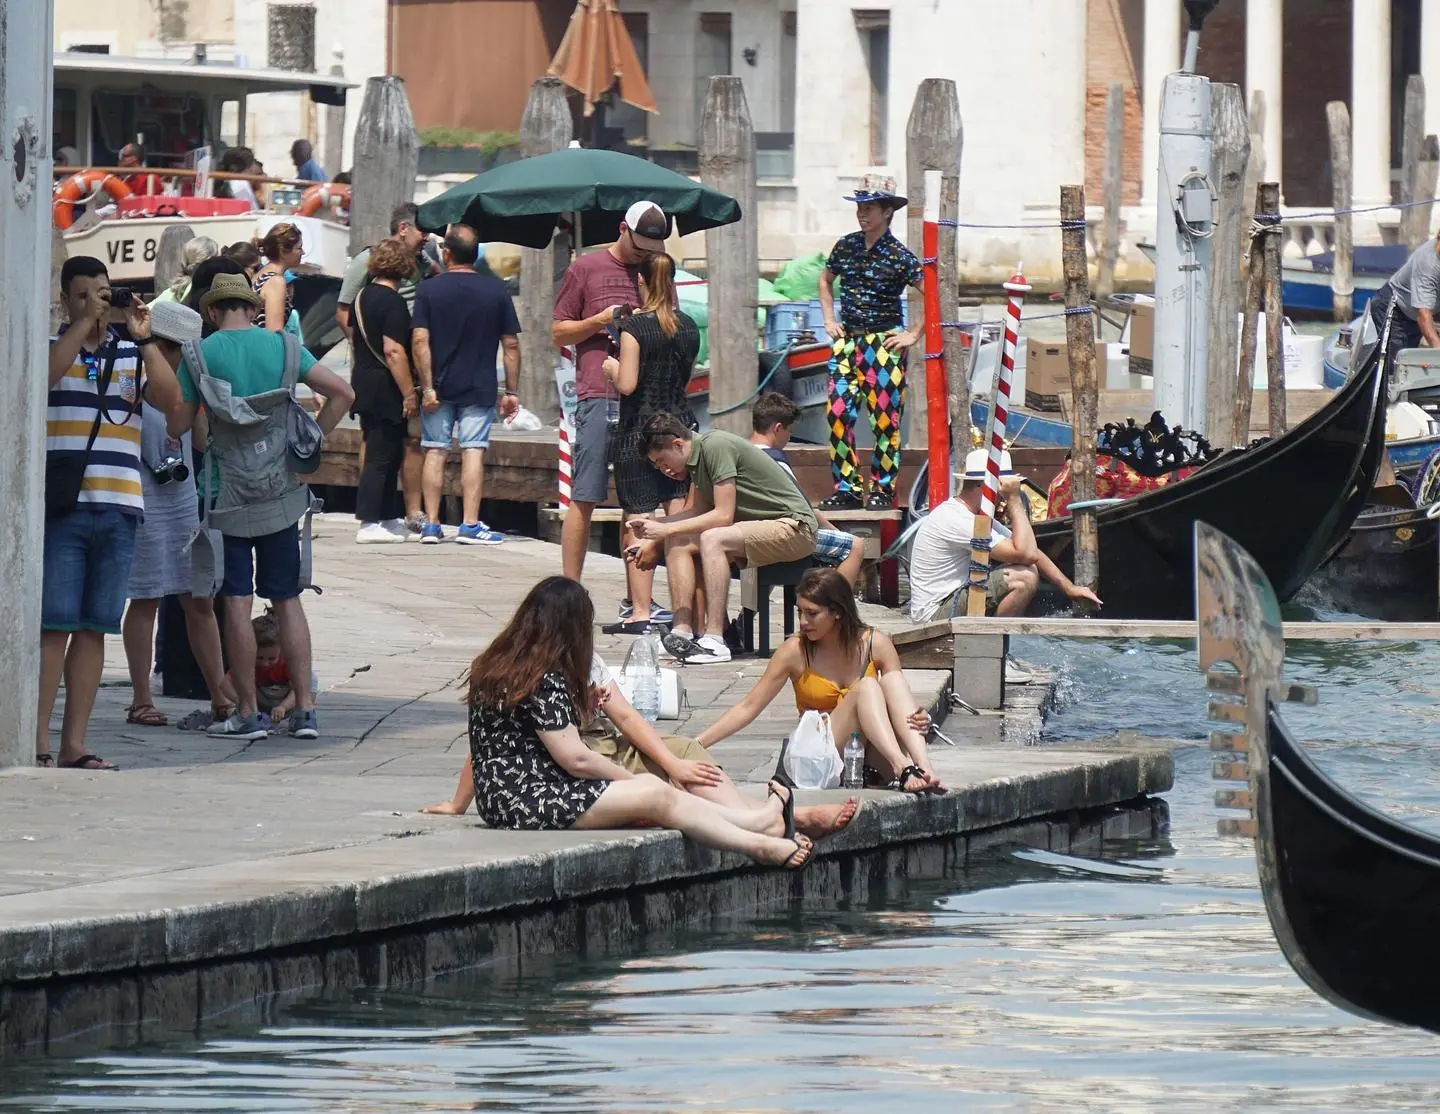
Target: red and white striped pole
978	584
936	393
567	438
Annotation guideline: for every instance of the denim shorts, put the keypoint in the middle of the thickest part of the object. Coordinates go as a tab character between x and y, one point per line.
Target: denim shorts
86	578
469	425
590	455
268	566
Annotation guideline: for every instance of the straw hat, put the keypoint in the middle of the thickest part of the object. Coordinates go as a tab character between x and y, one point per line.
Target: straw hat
877	187
229	288
174	321
976	461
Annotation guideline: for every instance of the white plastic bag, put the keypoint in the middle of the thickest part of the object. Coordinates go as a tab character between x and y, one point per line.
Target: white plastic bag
811	759
524	419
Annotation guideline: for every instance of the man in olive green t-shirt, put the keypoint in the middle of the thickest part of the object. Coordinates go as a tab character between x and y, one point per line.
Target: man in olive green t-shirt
743	508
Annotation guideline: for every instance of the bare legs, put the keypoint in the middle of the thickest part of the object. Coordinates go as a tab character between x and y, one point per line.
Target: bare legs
240	637
295	645
639	583
80	657
1022	584
647	798
575	539
472	484
718	548
138	632
900	702
864	709
433	481
412	479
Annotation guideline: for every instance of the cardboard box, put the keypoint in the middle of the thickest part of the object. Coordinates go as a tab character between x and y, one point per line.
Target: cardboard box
1142	338
1047	373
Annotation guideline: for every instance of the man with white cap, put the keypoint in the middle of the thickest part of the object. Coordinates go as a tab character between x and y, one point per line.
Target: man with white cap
599	289
940	557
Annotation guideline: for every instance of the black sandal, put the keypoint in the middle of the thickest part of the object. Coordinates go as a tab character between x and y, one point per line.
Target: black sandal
45	761
905	775
803	846
787	801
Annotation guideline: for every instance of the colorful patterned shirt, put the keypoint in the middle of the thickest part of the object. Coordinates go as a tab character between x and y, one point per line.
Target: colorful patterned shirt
112	477
872	280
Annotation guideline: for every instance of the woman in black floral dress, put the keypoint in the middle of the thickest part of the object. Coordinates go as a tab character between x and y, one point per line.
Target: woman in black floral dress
658	346
530	692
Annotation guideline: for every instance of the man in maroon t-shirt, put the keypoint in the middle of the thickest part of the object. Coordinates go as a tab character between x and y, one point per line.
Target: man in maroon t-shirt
596	290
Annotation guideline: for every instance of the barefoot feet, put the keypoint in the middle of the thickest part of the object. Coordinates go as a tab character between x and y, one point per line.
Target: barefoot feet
819	821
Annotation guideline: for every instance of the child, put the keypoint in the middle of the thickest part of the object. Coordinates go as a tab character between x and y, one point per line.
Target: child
771	418
274	689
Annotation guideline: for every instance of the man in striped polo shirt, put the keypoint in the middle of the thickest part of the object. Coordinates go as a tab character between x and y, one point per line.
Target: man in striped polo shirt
97	380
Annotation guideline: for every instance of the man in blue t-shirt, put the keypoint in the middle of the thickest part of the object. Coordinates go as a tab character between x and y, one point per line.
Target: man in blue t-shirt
461	321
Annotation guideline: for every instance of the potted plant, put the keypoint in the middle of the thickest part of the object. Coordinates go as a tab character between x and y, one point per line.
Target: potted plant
445	150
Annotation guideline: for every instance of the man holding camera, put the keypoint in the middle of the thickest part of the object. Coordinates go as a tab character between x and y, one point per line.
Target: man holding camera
596	290
93	497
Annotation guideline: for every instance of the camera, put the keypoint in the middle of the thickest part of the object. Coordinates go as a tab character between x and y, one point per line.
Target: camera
121	297
171	468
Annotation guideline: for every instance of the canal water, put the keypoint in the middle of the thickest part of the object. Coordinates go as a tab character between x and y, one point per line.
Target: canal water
1143	978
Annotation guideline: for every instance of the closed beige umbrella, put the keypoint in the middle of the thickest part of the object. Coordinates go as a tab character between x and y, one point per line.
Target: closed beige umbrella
597	55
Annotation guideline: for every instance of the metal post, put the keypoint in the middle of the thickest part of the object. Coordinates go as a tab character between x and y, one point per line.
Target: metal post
26	78
1184	224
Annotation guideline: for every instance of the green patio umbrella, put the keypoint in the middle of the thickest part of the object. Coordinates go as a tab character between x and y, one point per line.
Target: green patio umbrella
521	202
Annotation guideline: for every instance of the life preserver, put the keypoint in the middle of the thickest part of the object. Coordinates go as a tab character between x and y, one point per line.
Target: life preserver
317	197
83	185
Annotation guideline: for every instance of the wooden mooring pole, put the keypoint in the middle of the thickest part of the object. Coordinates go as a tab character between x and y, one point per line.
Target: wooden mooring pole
732	254
1080	338
335	123
545	127
1113	179
387	160
934	139
1426	173
1232	160
170	254
1342	281
1249	332
1268	214
1412	141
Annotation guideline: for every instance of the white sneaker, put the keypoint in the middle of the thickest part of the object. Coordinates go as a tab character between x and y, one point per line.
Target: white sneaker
1015	674
712	650
376	533
396	526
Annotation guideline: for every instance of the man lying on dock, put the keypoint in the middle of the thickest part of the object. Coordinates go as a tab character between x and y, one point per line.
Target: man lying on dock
940	557
622	734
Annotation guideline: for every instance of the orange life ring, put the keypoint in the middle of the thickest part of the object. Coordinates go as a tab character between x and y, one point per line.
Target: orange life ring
318	196
83	185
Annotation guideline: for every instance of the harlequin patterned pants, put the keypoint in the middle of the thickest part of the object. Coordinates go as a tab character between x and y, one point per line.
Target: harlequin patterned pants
862	369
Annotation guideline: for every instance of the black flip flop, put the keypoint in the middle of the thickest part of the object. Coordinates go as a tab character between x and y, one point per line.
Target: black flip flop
83	763
627	626
787	803
45	761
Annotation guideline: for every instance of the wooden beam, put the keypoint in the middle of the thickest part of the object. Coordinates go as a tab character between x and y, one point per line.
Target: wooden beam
933	141
335	123
1080	340
1110	190
1412	138
387	160
727	164
1426	172
1342	281
1245	374
1232	161
1269	202
545	127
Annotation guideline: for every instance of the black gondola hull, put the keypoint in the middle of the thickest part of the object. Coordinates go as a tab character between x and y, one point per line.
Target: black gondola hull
1354	896
1289	502
1388	568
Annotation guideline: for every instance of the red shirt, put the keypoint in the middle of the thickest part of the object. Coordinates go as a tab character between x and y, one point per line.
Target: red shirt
146	184
592	283
277	674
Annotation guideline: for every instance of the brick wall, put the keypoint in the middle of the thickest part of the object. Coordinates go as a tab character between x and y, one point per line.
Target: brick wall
1112	55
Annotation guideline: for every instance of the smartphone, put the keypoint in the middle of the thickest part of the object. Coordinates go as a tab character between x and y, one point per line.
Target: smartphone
632	551
121	297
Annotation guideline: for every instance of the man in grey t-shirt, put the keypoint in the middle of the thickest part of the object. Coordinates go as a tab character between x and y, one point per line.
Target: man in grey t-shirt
1414	290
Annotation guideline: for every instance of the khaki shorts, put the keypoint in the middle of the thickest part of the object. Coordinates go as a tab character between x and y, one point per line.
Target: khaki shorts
620	751
773	541
996	589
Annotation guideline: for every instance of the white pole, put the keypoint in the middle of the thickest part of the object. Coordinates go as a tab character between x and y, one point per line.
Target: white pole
26	72
1184	222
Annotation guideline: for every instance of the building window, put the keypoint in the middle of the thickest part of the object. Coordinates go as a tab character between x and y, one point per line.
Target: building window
874	29
292	37
712	56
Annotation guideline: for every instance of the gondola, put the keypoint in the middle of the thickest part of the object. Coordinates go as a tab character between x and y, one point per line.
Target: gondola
1387	569
1353	896
1290	501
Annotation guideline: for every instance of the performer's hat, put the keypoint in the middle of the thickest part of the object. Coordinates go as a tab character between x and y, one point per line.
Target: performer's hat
878	188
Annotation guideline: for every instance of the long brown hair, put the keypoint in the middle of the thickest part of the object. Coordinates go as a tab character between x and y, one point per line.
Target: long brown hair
828	589
658	271
551	631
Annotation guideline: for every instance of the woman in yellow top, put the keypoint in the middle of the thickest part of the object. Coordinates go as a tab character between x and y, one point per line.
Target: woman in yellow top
838	665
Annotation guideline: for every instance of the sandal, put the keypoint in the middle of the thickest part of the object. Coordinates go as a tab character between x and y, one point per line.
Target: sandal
898	784
804	850
146	715
787	802
88	762
45	761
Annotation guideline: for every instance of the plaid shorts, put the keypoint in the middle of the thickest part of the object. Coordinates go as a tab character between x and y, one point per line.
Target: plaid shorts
833	546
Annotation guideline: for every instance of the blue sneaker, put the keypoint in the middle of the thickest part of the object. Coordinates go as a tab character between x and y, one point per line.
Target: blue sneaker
431	534
477	533
252	729
304	725
658	614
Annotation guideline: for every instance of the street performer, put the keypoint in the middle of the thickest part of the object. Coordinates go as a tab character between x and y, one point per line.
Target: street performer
868	352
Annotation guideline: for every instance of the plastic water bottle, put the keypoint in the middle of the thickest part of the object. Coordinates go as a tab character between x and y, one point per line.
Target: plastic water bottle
854	776
642	671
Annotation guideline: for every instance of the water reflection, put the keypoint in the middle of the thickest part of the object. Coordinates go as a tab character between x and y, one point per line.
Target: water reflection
1140	978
